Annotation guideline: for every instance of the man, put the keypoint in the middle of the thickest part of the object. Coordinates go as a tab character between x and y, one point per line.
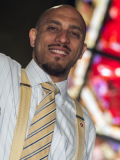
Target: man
58	42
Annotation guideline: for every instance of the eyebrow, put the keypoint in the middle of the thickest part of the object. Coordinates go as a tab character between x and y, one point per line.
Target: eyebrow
76	27
55	22
71	26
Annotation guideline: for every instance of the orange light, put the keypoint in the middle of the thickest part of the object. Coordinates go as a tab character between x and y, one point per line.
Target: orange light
117	72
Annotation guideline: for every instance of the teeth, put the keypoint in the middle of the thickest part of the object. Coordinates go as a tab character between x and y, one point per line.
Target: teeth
59	52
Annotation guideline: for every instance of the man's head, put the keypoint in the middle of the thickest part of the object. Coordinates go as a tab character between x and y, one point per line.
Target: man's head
58	40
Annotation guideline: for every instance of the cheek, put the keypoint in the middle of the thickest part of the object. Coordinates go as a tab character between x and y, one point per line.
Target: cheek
43	43
76	53
39	45
79	51
47	37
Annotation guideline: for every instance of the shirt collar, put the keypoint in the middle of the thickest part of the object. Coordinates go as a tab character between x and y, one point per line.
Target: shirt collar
36	76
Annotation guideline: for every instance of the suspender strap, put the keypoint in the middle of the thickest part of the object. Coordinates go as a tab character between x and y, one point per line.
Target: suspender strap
22	118
80	127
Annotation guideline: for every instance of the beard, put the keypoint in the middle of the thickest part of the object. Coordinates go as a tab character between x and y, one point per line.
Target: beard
53	69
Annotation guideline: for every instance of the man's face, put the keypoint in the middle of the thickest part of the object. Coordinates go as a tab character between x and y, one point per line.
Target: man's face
59	41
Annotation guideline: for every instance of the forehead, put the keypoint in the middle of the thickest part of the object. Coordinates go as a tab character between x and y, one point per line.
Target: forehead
65	15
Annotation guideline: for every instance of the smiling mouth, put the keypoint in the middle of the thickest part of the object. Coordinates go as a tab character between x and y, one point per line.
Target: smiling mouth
58	52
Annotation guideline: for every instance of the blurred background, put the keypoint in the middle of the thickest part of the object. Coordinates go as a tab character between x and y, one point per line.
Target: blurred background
95	80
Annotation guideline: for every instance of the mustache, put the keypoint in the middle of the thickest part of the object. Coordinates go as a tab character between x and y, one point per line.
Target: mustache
64	46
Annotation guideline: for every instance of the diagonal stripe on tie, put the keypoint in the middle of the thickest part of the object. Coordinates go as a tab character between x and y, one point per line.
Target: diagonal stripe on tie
37	144
41	128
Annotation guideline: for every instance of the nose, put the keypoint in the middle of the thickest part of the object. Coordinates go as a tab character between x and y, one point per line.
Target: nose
62	38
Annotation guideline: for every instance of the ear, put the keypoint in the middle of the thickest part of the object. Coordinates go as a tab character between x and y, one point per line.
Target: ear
83	50
32	36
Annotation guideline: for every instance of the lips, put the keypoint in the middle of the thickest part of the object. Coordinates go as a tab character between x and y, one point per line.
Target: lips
58	51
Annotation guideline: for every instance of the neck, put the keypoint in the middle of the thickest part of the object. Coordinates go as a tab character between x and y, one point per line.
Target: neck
58	79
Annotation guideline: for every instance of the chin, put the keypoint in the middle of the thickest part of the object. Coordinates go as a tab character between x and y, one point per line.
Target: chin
54	69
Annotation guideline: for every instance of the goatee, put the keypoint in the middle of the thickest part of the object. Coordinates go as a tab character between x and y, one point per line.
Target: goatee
53	69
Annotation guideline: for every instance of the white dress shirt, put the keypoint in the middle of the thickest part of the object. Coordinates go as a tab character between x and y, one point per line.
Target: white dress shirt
64	139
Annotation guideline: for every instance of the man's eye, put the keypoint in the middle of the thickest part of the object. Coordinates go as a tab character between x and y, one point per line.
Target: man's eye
52	28
75	34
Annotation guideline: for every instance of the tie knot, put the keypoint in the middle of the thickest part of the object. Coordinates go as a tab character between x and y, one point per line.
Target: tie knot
50	86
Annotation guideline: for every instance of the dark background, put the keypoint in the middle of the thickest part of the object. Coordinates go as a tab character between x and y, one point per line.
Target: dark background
16	19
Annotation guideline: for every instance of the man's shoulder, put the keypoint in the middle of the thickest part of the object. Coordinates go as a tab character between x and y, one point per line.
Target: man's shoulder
7	61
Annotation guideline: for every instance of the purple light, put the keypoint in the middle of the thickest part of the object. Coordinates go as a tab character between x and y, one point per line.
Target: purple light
87	0
116	120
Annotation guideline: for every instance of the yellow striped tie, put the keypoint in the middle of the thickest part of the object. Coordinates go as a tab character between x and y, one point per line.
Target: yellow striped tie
39	138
